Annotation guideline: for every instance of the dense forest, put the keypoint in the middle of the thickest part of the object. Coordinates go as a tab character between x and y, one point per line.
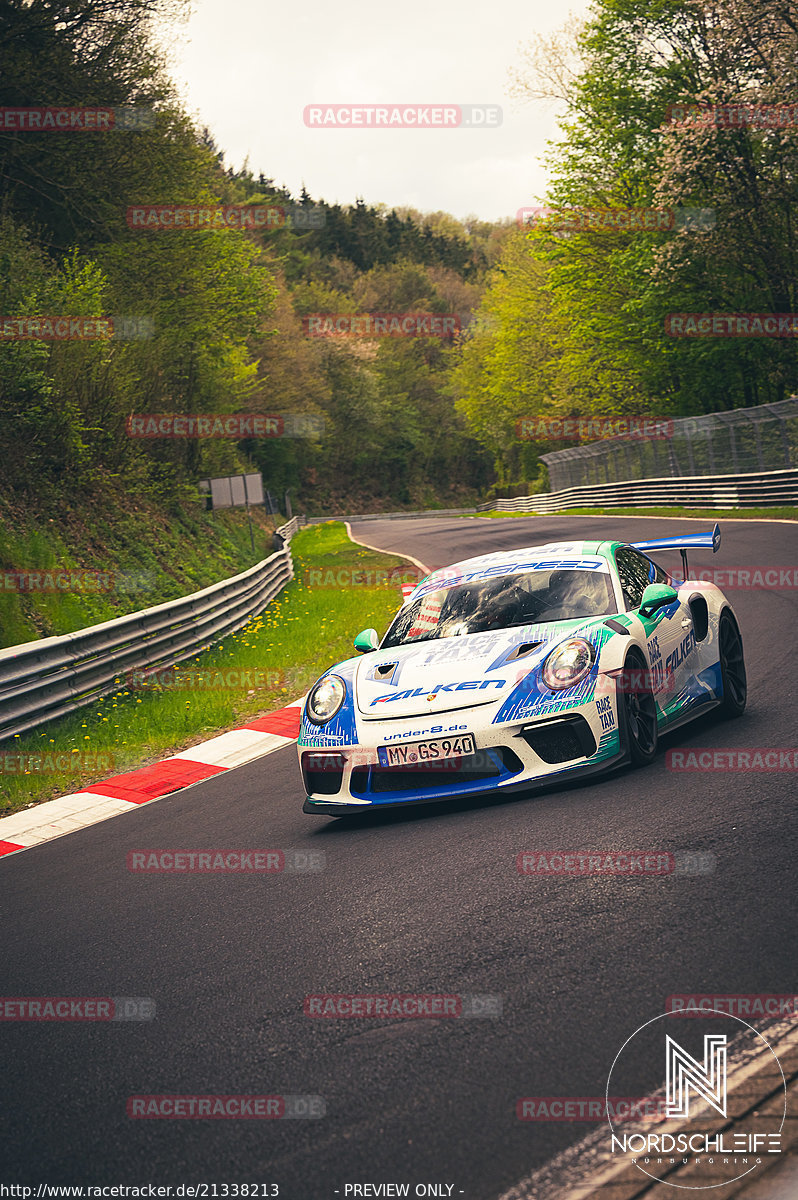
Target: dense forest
549	320
218	310
676	106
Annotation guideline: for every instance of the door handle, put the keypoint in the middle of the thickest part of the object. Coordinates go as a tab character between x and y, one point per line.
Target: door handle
686	622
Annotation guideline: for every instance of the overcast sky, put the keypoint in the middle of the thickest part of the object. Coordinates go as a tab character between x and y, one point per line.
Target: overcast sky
247	68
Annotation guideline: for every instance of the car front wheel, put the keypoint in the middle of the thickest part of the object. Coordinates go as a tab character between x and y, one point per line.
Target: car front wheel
639	711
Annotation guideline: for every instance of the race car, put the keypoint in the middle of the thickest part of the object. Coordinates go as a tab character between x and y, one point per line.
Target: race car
522	669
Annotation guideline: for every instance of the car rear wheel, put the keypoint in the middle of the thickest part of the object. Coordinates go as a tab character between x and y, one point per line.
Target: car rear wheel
732	667
639	711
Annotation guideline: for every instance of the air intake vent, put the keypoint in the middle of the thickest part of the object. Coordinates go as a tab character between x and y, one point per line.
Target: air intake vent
520	651
322	772
561	741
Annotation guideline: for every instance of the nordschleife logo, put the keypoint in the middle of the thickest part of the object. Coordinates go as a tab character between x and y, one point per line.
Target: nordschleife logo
703	1139
708	1079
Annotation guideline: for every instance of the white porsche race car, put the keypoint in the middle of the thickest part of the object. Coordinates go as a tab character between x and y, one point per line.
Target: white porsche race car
520	669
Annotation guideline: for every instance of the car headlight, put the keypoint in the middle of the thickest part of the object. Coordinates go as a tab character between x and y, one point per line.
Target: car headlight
325	699
568	664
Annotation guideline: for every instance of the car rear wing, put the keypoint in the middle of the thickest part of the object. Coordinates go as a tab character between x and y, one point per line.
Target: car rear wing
691	541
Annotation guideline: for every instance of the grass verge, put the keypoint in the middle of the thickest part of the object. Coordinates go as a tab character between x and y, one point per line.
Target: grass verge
708	514
110	554
339	588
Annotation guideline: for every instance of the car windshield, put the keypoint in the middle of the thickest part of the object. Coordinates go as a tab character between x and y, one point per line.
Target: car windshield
501	602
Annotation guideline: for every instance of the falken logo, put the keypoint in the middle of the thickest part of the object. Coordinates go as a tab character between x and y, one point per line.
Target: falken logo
682	651
470	686
708	1079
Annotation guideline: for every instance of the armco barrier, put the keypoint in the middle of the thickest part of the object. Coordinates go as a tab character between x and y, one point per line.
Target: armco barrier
766	488
393	516
52	676
701	491
288	530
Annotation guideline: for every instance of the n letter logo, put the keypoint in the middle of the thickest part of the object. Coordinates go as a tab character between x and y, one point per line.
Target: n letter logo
708	1079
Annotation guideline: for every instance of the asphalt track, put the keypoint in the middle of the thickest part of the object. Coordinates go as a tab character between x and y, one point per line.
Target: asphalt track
428	901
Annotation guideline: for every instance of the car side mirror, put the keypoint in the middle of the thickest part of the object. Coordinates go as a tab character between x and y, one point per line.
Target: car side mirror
367	640
655	597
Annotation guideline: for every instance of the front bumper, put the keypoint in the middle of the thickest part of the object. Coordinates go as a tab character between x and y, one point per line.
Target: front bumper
326	806
509	759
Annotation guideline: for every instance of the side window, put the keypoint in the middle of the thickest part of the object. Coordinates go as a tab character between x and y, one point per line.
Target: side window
633	569
657	574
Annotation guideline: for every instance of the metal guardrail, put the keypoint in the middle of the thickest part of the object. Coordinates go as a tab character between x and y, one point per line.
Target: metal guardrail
53	676
291	527
766	488
392	516
717	491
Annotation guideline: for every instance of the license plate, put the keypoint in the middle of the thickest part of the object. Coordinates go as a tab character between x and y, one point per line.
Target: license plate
423	753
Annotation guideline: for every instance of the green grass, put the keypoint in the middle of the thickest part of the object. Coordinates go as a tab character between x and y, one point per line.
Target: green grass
708	514
299	635
146	553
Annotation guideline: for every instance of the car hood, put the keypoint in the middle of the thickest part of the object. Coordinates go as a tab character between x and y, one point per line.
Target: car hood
457	672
